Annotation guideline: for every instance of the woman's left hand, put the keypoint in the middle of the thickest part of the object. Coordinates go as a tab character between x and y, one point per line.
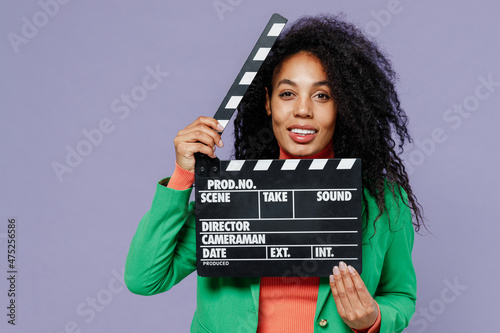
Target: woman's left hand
354	303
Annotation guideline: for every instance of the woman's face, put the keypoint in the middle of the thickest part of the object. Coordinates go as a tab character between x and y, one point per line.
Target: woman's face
301	106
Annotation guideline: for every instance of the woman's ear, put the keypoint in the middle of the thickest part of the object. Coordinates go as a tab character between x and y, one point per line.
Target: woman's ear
268	103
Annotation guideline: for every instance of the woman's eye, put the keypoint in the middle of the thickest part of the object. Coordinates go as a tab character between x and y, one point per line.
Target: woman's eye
286	94
323	96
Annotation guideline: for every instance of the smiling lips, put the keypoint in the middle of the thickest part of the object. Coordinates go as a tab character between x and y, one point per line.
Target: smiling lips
302	133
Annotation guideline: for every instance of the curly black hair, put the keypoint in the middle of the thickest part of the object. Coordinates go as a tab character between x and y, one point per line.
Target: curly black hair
370	124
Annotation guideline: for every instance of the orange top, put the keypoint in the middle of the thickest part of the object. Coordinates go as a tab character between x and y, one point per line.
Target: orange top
287	304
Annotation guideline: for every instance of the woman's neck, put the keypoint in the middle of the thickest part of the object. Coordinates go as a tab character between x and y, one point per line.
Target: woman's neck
327	152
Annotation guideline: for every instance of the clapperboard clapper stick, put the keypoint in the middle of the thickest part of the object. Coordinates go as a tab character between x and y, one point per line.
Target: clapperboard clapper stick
274	217
207	165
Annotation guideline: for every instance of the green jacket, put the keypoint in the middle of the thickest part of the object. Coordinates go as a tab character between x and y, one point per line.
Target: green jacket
163	252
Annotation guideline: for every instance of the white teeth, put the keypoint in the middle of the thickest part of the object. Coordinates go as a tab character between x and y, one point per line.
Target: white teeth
302	131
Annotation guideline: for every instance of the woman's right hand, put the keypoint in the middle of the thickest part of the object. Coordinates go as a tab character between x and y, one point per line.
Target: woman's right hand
198	137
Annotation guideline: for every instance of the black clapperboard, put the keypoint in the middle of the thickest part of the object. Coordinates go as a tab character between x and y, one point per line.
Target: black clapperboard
278	217
274	217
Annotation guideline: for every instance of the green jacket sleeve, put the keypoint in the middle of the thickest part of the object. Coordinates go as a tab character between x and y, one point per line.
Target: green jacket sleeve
397	288
163	250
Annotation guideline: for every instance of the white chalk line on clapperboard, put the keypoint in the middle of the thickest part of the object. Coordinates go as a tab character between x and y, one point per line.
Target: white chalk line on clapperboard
276	232
295	245
280	219
282	190
281	258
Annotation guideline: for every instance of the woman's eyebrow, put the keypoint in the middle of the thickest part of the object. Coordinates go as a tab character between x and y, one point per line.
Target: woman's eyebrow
321	83
316	84
286	81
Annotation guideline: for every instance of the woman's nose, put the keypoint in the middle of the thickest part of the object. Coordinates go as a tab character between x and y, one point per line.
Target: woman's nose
303	108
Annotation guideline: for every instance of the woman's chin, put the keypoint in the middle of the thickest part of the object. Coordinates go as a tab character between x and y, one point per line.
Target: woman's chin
301	151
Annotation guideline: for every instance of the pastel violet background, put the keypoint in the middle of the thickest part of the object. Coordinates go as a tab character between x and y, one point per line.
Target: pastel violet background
67	70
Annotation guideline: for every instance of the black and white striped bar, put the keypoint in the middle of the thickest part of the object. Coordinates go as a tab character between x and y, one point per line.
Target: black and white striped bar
278	217
250	69
316	164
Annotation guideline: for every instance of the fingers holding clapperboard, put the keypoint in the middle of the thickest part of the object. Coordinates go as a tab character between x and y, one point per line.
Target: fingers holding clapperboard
354	303
201	136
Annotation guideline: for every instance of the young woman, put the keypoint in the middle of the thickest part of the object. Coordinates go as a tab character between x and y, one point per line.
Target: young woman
324	91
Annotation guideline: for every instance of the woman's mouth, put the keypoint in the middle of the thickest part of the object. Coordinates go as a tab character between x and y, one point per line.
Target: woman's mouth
302	135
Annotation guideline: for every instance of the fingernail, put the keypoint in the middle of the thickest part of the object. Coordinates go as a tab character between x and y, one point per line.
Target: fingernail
219	127
342	266
332	279
351	269
221	144
336	270
213	148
